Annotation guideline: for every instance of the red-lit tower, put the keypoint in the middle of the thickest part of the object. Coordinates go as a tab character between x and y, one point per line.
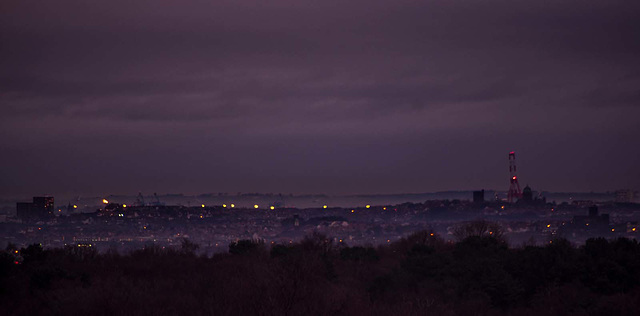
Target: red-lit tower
514	188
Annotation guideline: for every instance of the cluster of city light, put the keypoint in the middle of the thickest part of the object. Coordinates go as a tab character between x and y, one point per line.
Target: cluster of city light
256	206
229	205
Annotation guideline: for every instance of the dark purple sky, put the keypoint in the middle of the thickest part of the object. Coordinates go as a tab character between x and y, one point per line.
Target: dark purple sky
337	97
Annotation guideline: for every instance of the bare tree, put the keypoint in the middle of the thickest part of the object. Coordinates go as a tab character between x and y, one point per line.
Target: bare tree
478	228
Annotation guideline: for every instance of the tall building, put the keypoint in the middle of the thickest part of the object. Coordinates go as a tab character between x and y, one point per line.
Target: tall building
41	207
44	204
478	196
527	194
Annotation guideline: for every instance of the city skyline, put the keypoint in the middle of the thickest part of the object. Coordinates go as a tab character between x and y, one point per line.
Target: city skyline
295	157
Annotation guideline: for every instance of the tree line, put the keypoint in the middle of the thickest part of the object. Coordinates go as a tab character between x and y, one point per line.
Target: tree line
421	274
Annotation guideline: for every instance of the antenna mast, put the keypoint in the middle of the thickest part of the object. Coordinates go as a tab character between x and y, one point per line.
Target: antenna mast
514	188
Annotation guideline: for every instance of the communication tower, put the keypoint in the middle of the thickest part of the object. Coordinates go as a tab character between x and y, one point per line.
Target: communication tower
514	188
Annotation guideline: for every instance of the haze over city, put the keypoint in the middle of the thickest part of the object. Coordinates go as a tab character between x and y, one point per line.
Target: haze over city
317	97
295	157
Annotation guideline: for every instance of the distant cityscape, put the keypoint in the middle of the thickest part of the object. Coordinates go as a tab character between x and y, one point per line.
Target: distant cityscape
213	221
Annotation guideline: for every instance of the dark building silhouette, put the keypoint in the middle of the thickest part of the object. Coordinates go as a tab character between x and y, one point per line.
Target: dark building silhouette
527	199
594	222
41	207
478	196
527	194
44	203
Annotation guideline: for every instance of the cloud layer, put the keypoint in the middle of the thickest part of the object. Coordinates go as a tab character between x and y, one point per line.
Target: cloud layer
317	96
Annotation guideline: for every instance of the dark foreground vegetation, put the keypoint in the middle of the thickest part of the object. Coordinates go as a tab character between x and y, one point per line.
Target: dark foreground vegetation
419	275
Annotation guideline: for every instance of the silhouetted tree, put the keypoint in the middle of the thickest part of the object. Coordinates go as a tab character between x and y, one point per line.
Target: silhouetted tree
418	275
246	246
188	247
479	228
360	254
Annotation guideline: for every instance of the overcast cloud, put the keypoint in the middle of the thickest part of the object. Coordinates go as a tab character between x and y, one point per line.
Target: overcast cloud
338	97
